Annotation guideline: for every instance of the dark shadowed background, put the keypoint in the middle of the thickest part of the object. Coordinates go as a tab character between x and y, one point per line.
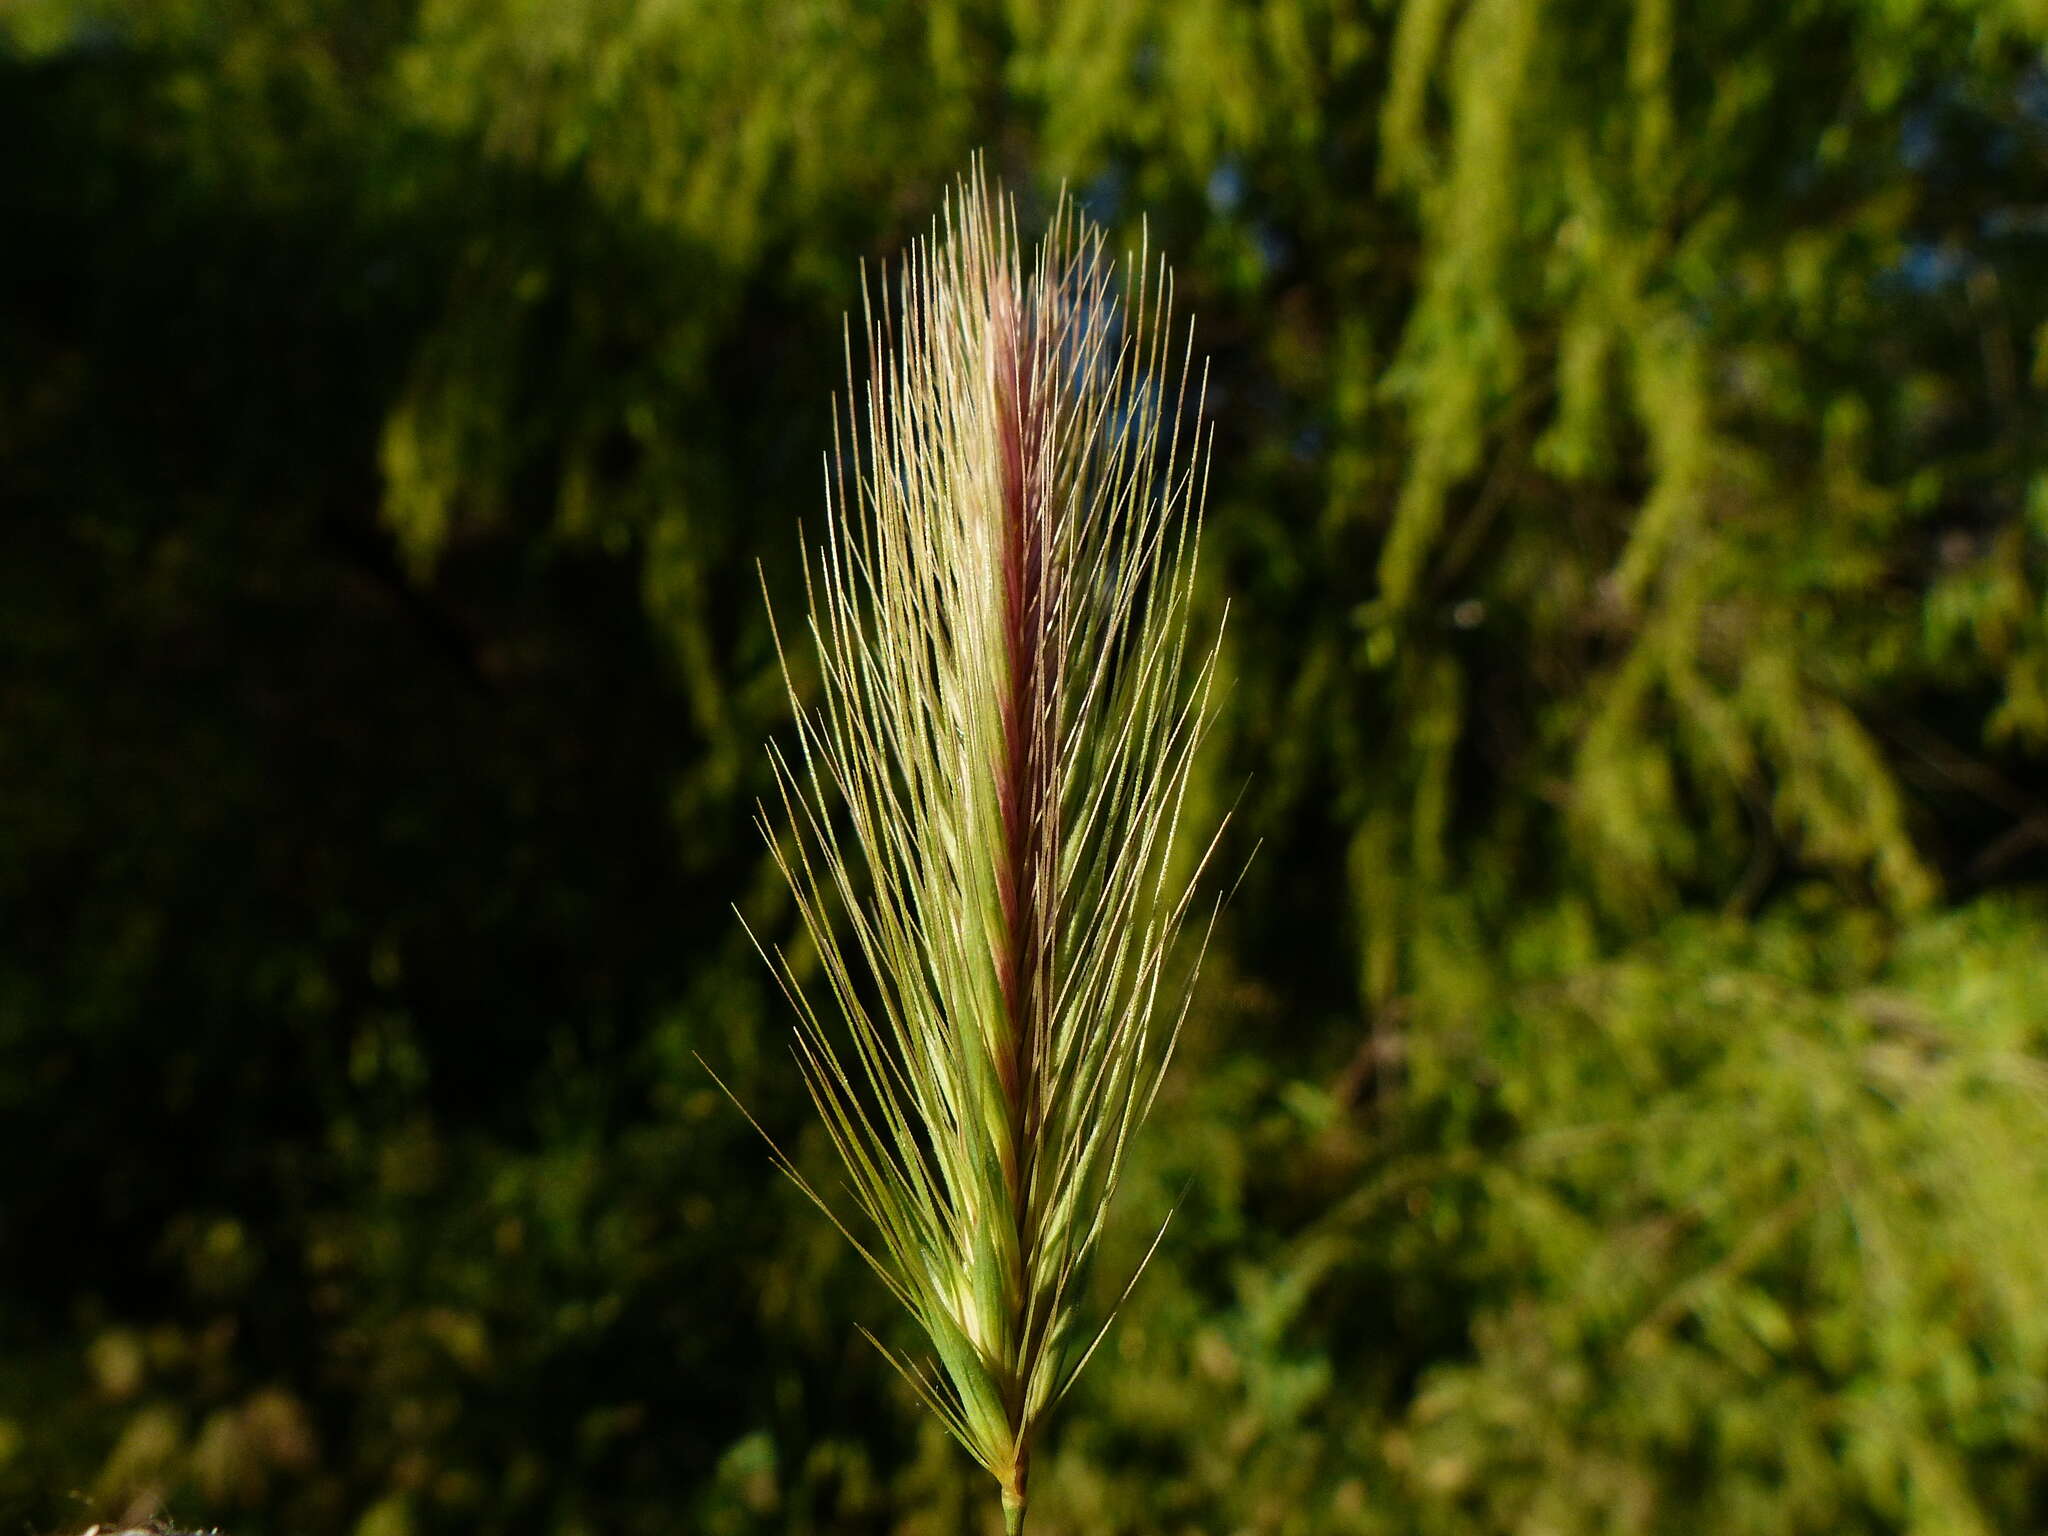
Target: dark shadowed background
1618	1096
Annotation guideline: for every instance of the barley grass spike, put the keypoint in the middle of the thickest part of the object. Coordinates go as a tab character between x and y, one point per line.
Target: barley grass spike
981	817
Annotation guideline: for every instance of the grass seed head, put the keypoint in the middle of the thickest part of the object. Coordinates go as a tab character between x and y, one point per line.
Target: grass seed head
983	803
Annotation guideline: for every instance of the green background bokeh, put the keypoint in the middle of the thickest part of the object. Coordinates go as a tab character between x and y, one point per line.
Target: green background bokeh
1617	1099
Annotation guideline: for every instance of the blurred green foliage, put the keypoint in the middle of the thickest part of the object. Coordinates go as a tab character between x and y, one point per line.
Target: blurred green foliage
1618	1099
